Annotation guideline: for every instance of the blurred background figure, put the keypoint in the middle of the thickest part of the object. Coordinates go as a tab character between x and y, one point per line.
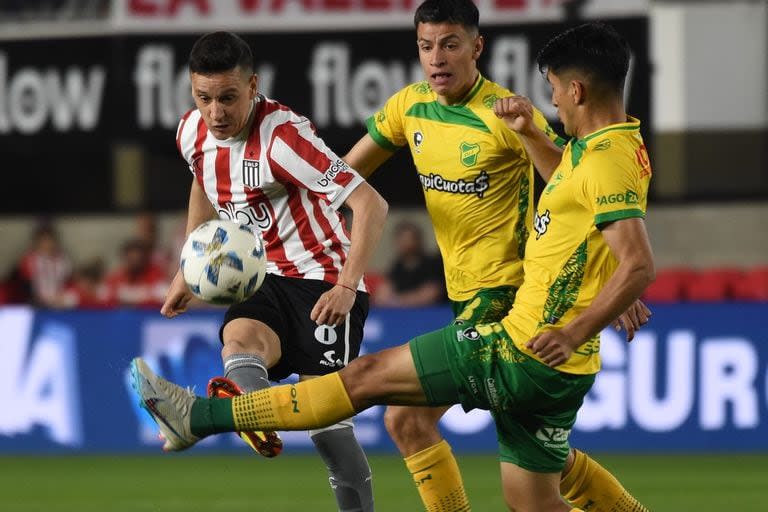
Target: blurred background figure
415	277
146	230
138	280
86	288
42	272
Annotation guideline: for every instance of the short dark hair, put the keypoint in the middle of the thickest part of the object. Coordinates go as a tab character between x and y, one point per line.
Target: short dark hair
459	12
218	52
594	48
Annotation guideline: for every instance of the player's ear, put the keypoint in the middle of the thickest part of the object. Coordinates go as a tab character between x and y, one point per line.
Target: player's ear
253	85
479	45
577	92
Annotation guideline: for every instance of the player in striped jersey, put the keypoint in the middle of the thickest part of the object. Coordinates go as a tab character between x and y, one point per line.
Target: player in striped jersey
477	179
256	162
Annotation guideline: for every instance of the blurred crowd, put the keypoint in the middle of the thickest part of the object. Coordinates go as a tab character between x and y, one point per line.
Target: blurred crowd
46	276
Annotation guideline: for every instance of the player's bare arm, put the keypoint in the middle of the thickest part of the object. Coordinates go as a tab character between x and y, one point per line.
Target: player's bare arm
517	113
370	211
366	156
629	244
200	210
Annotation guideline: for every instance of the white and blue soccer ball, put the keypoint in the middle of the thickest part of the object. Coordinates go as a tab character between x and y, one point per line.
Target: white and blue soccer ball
223	262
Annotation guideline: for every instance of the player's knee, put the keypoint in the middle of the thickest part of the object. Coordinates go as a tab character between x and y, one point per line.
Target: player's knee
361	380
250	337
405	425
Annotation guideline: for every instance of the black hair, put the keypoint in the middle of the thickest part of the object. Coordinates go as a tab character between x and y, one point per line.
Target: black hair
218	52
594	48
459	12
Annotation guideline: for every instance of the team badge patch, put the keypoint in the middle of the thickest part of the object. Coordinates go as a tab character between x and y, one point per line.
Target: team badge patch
251	173
469	153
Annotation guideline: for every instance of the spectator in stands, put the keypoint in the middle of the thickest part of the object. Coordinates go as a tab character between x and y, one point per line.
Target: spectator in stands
147	231
138	281
87	289
44	270
415	278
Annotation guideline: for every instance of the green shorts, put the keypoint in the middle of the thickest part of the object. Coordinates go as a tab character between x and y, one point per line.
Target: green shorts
486	306
533	405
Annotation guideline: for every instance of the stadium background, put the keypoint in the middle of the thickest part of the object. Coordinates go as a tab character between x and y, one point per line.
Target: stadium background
90	93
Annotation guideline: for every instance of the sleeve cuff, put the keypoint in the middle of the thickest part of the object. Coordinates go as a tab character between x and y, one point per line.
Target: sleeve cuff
631	213
376	135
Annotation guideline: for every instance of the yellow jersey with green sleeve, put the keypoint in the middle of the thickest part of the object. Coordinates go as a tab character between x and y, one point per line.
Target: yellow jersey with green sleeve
602	178
476	176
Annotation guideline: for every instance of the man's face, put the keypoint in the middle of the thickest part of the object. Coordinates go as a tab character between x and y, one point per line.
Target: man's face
448	55
224	100
561	100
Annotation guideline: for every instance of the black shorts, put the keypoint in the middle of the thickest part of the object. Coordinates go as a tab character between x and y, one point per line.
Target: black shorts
284	304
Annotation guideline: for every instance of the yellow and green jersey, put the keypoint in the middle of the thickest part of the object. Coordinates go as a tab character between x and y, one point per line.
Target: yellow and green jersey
476	176
602	178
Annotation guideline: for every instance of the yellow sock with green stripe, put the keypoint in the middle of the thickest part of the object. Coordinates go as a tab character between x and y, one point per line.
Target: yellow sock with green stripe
437	477
592	487
314	403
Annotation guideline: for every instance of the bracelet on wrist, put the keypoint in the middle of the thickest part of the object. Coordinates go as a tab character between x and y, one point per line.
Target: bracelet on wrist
347	287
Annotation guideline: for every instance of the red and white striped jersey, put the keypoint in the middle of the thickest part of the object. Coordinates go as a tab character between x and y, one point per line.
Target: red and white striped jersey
279	176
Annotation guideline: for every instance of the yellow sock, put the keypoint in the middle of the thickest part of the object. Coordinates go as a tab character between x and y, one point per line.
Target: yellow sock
314	403
593	488
437	477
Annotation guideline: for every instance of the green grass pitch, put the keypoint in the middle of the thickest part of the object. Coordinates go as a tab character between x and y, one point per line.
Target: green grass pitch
298	483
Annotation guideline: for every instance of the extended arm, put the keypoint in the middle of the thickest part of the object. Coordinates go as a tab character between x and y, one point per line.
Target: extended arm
628	241
517	113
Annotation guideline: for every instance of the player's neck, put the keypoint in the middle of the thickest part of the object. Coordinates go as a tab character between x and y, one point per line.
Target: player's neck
458	98
594	119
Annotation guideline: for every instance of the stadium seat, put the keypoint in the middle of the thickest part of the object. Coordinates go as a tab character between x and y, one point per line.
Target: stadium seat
713	284
753	285
669	285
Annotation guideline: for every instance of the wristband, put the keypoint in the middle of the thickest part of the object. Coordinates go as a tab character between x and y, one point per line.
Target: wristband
347	287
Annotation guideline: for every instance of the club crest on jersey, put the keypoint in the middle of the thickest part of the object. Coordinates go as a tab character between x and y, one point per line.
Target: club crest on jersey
469	153
418	138
251	173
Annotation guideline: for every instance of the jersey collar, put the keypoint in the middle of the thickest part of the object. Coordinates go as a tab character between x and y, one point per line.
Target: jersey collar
579	146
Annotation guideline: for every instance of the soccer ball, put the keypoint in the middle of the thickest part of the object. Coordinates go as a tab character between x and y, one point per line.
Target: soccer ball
223	262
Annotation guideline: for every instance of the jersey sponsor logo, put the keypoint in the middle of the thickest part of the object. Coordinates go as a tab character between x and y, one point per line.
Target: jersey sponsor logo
336	167
469	152
418	139
541	223
477	186
251	216
492	392
629	197
251	173
553	437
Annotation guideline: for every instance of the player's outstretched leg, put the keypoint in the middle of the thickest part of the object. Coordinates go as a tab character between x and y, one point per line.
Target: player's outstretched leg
428	456
168	404
589	485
